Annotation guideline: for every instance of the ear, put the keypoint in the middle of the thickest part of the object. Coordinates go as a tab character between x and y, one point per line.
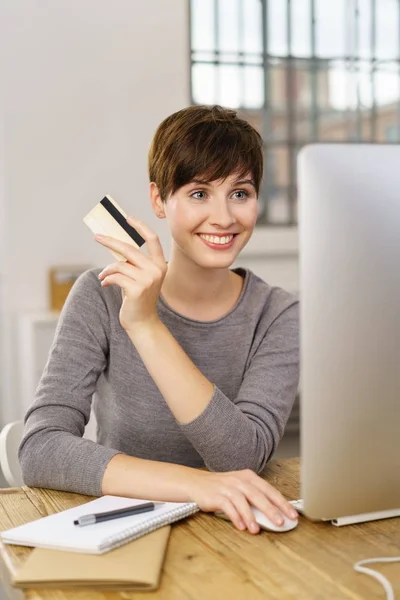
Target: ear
156	201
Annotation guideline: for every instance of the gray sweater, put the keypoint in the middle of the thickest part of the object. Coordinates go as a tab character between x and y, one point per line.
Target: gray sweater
251	355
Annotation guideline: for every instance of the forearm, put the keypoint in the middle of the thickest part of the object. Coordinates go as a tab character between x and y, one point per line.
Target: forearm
140	478
231	493
228	439
175	375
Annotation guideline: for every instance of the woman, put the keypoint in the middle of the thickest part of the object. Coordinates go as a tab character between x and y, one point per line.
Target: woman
193	364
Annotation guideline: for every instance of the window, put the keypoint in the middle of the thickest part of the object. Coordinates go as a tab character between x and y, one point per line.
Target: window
300	71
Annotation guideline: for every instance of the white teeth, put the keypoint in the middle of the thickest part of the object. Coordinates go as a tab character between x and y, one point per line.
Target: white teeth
214	239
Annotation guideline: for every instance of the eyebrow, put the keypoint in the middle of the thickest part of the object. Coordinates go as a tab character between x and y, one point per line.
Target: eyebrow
242	182
250	181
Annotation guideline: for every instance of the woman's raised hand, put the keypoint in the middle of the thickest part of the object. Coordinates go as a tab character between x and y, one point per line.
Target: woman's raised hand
140	277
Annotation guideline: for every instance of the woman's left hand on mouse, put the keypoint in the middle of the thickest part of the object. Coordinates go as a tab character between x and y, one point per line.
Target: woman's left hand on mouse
140	277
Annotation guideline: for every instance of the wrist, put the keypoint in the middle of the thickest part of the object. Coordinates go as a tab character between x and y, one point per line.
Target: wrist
143	329
193	482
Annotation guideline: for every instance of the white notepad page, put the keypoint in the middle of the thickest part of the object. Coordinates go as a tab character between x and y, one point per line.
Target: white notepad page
59	532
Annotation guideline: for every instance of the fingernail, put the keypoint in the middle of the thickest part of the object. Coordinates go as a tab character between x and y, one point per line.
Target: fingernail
99	236
279	520
293	514
254	527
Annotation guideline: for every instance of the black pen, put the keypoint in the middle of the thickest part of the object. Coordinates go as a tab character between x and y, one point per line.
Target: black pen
114	514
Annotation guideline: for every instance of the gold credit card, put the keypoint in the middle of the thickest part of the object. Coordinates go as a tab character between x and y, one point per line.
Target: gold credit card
108	218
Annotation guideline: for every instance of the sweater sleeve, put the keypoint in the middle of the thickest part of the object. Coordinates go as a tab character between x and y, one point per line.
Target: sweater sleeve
53	453
244	433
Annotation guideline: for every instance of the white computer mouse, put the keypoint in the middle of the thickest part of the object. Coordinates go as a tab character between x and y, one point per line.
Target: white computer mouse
265	523
268	525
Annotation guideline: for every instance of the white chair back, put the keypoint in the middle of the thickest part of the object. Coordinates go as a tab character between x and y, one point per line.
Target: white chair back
10	438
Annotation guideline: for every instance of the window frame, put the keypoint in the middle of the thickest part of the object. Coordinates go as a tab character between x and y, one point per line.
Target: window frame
314	64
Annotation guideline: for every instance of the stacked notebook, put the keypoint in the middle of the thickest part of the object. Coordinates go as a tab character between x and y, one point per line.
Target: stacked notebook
64	554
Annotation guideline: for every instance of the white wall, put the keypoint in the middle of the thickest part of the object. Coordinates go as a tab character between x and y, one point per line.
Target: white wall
2	221
84	86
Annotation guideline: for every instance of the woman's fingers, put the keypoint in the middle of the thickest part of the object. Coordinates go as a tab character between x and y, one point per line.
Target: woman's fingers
274	497
229	509
154	247
122	267
259	500
128	251
134	257
140	277
244	510
126	283
111	275
236	493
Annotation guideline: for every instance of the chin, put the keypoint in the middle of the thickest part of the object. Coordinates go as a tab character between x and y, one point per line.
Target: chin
217	262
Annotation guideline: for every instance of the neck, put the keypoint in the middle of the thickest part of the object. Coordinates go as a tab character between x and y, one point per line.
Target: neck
192	284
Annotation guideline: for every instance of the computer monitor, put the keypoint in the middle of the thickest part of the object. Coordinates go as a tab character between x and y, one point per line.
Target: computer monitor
349	230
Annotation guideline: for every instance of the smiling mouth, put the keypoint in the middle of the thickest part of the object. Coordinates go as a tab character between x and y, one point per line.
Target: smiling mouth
218	239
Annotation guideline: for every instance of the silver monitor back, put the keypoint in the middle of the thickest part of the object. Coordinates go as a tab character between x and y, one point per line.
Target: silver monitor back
349	226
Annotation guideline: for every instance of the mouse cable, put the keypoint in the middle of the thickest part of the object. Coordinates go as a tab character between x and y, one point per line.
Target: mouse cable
376	575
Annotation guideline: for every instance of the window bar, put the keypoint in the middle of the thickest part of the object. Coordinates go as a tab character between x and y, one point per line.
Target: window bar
373	70
290	88
190	26
398	64
349	73
356	69
241	53
217	84
314	78
267	130
222	61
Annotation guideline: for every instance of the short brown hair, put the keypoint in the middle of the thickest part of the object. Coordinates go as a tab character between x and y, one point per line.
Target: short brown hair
207	142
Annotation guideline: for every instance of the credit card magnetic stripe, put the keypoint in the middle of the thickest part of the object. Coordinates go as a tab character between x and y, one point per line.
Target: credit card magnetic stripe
121	220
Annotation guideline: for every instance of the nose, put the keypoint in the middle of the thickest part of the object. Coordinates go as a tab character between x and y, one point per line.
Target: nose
222	216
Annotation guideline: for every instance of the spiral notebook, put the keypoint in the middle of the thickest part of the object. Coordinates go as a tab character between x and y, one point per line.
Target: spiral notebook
58	531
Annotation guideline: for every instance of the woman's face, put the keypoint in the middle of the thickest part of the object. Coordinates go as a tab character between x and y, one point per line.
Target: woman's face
211	222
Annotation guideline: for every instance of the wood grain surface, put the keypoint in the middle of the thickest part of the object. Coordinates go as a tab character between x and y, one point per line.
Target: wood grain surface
207	559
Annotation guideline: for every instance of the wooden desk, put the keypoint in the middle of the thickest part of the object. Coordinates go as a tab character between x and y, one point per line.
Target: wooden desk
207	559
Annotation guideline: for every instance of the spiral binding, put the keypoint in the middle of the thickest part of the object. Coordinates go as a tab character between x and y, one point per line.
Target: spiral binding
114	541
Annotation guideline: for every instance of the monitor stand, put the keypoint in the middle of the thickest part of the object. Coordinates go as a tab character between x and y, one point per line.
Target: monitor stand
353	519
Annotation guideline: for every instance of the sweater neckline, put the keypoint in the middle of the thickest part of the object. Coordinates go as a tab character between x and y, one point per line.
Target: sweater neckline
245	273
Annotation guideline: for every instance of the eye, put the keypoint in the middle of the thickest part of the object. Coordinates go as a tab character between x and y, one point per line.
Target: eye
241	195
198	195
